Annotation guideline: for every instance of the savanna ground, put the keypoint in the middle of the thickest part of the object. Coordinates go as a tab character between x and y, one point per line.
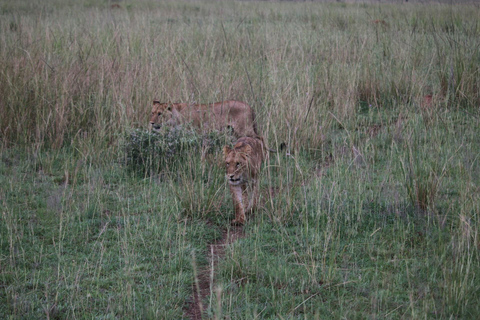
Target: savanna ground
374	214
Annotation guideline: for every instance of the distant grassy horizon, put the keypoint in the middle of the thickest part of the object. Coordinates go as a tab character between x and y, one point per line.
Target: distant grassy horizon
372	213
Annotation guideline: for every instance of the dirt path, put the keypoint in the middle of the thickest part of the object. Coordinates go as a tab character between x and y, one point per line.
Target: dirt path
205	278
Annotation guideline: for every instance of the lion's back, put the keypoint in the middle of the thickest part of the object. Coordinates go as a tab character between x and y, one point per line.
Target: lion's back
238	115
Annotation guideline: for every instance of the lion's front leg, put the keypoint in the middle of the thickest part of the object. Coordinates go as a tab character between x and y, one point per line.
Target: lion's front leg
238	204
250	196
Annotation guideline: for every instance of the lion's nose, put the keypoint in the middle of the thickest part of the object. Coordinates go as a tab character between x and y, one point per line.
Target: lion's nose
232	176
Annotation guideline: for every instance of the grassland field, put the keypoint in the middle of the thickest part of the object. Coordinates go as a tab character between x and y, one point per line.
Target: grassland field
372	211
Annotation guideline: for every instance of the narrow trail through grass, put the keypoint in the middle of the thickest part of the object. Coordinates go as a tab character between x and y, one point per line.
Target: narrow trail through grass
204	285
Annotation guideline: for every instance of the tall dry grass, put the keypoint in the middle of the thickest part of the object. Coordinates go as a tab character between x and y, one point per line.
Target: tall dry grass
86	71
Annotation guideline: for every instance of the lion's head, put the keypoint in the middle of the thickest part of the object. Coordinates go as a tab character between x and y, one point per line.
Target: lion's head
162	113
237	167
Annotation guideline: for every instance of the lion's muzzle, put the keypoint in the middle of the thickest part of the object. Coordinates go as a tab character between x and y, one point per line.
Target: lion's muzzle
232	180
154	126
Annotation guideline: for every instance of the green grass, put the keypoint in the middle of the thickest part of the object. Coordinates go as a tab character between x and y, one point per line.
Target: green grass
374	214
103	244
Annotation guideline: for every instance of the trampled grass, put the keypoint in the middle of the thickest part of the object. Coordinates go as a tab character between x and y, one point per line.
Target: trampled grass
373	213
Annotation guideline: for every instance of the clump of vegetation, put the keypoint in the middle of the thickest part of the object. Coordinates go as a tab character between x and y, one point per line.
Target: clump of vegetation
421	185
148	152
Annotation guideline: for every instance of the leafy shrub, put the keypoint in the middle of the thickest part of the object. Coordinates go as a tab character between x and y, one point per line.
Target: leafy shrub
147	152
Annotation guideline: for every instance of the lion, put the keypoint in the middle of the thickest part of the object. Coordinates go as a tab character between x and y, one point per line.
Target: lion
242	166
236	116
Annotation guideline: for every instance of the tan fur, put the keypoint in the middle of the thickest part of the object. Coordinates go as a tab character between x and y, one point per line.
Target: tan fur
242	166
236	115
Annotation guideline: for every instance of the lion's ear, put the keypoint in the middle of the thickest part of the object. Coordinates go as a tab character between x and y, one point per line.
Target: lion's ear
247	150
226	150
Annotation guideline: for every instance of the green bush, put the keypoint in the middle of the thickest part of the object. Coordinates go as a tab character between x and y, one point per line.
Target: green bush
148	152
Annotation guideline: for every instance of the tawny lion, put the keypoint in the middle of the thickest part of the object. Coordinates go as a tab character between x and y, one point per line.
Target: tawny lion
233	115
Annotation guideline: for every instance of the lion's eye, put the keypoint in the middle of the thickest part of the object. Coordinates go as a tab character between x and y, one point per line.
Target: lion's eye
159	113
226	164
238	164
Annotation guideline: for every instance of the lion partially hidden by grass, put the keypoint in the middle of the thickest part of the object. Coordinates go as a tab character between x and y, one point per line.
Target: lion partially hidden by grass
242	165
232	115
